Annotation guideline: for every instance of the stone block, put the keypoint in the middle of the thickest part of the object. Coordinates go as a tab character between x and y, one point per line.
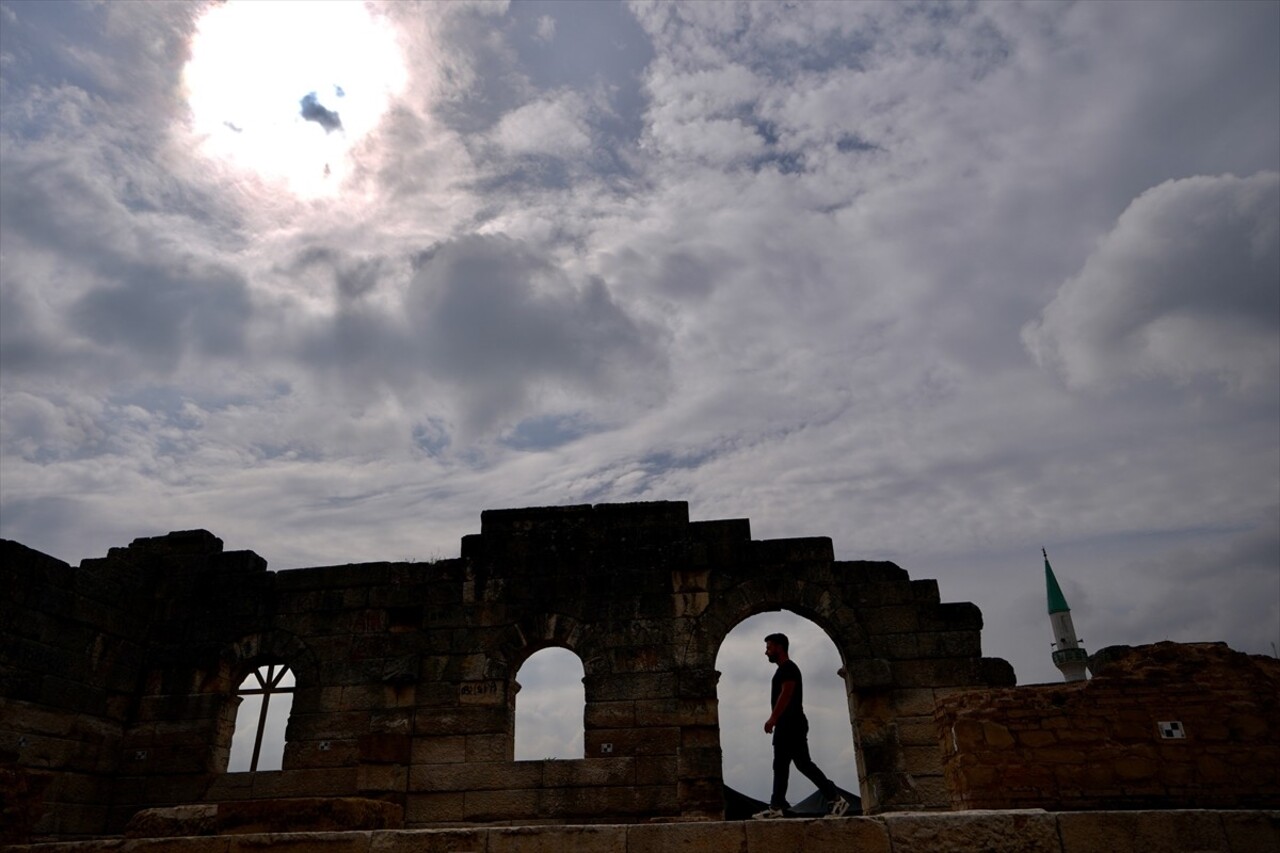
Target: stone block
1249	831
451	749
1166	831
609	715
515	805
892	619
616	687
430	808
870	674
921	759
689	604
909	702
931	790
865	835
325	782
327	814
377	778
967	736
72	819
636	741
203	844
228	786
385	748
483	691
655	769
486	776
472	719
590	772
173	821
309	753
687	838
919	731
176	789
301	842
675	712
1036	738
1031	831
703	762
498	747
556	839
1136	768
430	841
78	787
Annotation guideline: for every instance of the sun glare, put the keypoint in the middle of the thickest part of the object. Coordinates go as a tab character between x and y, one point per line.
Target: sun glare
283	89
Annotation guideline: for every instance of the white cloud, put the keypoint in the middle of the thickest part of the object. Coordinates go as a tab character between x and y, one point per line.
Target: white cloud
551	127
546	28
1186	286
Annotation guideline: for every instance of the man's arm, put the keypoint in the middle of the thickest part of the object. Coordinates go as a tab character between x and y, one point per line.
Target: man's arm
784	699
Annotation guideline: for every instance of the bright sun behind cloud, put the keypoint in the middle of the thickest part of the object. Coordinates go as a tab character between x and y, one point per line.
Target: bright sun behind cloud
284	90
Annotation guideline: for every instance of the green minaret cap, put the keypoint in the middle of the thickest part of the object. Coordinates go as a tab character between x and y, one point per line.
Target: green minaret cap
1057	601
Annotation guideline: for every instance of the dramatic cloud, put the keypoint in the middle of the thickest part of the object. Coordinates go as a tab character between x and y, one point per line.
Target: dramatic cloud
945	282
1186	286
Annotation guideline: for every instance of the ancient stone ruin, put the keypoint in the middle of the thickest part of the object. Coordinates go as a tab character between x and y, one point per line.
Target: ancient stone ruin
120	677
1163	726
121	681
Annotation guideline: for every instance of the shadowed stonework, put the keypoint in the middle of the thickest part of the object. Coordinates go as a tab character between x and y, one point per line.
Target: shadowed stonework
120	676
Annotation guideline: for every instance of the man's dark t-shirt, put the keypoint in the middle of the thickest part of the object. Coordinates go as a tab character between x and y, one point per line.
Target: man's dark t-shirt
792	719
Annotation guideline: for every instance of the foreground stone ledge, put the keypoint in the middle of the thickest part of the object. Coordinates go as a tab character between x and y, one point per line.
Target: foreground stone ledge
259	817
1026	831
1020	831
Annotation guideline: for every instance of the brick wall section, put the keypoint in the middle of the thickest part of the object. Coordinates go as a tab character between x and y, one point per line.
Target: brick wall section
1096	744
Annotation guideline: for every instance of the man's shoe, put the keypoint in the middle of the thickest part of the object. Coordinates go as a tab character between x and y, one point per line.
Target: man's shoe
839	807
772	814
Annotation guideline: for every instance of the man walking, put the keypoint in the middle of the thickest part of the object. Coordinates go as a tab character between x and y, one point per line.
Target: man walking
790	729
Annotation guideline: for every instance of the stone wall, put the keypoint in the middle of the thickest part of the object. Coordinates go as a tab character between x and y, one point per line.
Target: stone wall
119	676
1107	742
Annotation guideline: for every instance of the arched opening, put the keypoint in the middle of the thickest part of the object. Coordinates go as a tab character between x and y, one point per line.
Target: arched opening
549	706
265	699
743	694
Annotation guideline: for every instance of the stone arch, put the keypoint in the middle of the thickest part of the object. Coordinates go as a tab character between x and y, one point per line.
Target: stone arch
815	600
811	595
241	657
743	691
519	641
898	645
544	706
277	645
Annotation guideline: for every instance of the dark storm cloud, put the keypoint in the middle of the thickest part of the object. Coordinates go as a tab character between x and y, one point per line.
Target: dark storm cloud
159	313
353	277
28	344
496	321
313	110
495	317
129	299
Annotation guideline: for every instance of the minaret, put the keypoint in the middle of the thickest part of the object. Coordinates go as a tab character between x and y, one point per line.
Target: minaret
1068	655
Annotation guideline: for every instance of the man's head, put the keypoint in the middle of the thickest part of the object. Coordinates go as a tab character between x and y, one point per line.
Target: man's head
776	647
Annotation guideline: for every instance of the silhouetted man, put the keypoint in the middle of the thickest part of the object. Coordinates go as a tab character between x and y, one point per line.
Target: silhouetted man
790	729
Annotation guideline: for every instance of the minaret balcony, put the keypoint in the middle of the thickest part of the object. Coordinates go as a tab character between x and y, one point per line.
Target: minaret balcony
1062	656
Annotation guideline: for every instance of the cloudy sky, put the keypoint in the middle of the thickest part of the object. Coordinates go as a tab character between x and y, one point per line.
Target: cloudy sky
944	282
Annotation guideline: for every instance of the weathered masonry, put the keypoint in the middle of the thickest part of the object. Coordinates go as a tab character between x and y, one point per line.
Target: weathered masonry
118	679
